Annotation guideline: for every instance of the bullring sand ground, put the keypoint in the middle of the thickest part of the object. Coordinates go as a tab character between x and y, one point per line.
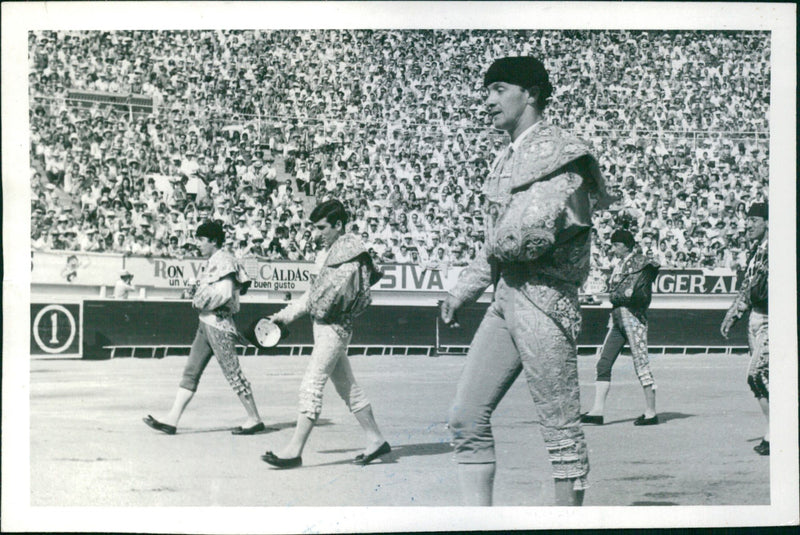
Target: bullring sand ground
89	447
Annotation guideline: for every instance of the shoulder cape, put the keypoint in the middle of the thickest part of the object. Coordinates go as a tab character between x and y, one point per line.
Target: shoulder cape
547	150
638	262
349	248
222	264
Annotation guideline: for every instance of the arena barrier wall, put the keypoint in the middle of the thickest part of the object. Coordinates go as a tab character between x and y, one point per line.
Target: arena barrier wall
155	326
55	328
173	274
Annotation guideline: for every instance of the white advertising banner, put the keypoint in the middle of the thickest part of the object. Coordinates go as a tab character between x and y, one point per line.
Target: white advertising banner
82	269
413	278
284	275
104	269
178	273
78	269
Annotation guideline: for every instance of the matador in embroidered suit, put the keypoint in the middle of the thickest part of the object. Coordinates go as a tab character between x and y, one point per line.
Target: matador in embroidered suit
217	333
540	196
753	297
216	299
630	292
339	293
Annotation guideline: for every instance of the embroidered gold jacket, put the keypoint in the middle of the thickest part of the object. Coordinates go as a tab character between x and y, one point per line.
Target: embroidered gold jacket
630	283
754	287
539	205
341	290
217	307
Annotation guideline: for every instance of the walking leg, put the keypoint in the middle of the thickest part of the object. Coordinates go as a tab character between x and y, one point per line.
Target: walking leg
328	348
636	332
223	344
601	389
764	403
373	433
351	393
612	345
476	482
566	495
299	438
182	399
492	366
649	401
199	355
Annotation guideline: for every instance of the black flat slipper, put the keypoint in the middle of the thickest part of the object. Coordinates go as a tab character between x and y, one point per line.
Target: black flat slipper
364	460
274	460
158	426
259	427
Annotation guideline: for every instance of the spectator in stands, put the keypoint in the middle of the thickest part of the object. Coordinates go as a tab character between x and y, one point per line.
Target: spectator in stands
216	299
123	287
378	134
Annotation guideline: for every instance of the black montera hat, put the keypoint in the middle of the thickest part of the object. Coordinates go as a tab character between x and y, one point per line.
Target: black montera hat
212	230
624	237
759	209
524	71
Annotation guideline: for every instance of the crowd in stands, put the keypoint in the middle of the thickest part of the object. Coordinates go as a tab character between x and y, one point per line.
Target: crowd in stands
254	127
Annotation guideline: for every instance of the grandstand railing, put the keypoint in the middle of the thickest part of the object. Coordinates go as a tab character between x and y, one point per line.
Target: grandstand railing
133	103
436	127
298	350
293	350
652	350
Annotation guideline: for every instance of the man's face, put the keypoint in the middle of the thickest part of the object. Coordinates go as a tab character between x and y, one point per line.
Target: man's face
505	104
327	234
206	246
619	250
756	227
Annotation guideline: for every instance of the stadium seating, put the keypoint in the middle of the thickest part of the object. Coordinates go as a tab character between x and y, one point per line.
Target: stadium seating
136	136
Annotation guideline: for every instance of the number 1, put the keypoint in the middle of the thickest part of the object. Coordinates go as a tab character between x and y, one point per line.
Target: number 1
54	328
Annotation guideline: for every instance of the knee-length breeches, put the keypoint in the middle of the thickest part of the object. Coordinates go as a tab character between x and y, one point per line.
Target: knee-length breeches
625	328
329	359
222	344
758	340
517	336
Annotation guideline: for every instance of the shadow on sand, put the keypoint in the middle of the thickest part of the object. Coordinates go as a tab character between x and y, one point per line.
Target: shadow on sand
402	450
270	428
663	417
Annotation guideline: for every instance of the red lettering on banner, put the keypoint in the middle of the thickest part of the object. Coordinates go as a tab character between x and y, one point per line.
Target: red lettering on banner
389	280
719	287
697	283
682	283
666	283
159	269
417	281
435	280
